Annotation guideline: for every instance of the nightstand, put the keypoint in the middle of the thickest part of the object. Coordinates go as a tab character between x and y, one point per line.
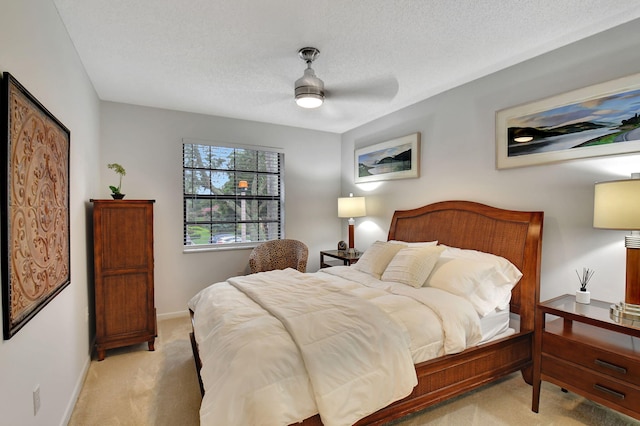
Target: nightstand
582	350
343	255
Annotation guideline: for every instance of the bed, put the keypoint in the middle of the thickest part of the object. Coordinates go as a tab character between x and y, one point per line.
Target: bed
457	226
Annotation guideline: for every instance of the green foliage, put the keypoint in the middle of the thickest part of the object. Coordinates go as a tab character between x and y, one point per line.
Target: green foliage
121	172
199	234
117	168
603	140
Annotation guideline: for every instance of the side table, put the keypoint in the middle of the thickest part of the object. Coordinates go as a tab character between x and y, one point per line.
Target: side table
581	349
342	255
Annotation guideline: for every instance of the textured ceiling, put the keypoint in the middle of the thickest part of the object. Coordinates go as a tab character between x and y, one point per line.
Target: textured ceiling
238	58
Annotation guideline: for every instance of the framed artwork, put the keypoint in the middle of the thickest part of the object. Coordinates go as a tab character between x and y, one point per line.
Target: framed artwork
395	159
35	206
593	121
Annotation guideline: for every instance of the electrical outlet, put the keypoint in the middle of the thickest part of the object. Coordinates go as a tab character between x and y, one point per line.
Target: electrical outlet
36	400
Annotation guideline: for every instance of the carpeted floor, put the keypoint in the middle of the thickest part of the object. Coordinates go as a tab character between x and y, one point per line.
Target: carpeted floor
135	387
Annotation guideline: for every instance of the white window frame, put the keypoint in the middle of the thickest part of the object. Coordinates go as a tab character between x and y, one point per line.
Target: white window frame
248	202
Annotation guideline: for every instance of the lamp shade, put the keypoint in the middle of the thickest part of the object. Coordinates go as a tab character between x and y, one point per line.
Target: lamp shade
616	205
351	207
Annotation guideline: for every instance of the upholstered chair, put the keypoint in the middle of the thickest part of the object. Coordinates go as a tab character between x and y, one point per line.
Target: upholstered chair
279	254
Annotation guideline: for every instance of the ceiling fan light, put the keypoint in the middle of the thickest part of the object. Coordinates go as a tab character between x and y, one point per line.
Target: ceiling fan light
309	93
309	100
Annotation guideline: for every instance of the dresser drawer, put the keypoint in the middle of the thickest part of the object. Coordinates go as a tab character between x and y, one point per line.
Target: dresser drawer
623	363
590	384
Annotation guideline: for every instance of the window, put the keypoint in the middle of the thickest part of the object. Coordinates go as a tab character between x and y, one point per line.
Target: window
233	195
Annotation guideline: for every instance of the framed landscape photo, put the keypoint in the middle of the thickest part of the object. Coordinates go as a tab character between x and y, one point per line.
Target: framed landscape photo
35	206
602	119
395	159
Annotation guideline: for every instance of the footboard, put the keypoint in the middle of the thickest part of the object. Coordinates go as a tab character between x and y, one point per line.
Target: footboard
453	375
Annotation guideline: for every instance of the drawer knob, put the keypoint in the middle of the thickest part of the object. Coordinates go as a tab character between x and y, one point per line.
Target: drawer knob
608	391
610	366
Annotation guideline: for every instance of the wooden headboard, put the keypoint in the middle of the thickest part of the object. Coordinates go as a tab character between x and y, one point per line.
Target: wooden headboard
514	235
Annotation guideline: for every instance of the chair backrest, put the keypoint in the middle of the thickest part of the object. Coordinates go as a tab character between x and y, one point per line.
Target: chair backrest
279	254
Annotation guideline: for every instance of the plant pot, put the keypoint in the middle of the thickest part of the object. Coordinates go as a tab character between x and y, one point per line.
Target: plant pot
583	297
118	196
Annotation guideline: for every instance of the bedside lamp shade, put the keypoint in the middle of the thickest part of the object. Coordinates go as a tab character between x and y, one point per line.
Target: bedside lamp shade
616	205
350	207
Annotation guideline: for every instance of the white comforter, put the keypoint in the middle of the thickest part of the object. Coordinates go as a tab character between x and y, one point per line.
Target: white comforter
281	346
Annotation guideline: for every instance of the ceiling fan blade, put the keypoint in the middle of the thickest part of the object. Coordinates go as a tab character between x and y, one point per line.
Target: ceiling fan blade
375	89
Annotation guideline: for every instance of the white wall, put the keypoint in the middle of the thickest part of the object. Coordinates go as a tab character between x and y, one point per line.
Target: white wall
52	349
458	161
148	143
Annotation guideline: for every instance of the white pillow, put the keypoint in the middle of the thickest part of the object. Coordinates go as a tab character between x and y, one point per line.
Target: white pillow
412	265
508	269
418	244
481	283
375	259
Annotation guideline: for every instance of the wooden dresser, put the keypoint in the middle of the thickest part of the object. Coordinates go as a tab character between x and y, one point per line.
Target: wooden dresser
579	348
123	273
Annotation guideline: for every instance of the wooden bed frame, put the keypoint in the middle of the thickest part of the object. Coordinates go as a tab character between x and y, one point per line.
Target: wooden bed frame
514	235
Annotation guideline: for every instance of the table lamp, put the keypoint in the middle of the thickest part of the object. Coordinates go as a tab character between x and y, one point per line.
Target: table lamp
351	207
616	205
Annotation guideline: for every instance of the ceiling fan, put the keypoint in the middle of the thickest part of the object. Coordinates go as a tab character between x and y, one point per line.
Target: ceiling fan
309	89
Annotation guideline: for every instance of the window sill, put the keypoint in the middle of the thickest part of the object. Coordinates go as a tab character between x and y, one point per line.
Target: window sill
217	247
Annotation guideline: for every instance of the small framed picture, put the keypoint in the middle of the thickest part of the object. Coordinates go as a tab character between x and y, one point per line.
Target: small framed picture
395	159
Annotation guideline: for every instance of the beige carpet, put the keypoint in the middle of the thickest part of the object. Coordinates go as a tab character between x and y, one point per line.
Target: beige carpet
133	386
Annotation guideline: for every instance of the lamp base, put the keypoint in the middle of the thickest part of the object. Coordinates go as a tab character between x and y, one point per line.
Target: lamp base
626	314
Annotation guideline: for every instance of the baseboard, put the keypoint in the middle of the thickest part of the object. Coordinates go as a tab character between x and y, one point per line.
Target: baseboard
172	315
76	392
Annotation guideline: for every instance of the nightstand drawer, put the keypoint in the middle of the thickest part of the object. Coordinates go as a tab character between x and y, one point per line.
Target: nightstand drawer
623	363
590	384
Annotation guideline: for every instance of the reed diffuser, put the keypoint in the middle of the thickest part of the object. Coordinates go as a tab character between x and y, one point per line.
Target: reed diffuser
582	294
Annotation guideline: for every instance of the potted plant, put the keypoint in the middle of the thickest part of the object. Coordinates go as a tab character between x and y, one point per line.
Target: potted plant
582	295
115	190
